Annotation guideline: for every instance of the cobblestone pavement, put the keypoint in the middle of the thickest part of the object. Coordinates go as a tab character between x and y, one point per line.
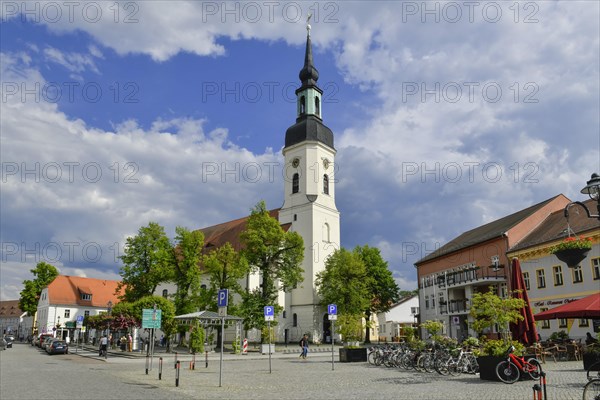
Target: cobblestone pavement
248	377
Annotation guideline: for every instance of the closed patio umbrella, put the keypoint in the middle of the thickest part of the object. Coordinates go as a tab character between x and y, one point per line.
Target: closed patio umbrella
525	330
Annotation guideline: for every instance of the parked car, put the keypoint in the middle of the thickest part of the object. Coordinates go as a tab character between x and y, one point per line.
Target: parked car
48	342
58	347
3	344
41	339
9	340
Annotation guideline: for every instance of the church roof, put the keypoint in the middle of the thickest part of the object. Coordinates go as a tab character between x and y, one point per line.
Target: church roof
217	235
308	127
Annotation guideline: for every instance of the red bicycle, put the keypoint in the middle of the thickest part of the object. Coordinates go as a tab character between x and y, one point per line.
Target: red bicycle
509	370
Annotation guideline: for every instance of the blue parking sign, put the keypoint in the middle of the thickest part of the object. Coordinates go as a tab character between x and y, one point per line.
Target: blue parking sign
269	311
332	309
223	298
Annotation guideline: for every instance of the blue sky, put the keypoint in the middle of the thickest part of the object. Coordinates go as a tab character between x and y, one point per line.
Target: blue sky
446	115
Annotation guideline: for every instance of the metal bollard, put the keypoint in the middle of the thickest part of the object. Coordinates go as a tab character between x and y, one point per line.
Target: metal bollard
206	358
193	362
160	360
175	357
543	382
537	392
177	365
147	363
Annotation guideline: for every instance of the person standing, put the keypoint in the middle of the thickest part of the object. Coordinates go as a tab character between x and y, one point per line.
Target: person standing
130	342
304	345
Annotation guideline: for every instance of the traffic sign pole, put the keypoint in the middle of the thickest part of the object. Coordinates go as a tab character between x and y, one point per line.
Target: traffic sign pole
332	343
221	358
269	327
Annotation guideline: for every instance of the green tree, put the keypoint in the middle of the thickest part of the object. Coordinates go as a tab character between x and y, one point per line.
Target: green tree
147	261
44	274
381	285
275	255
168	321
224	267
489	310
187	256
197	339
344	282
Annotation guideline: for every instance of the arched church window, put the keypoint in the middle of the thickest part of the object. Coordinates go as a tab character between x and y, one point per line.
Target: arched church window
317	106
302	105
326	231
165	293
296	183
325	184
295	319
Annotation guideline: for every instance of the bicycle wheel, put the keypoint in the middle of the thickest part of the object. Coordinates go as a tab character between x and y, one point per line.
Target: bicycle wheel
535	370
507	372
593	371
591	391
453	368
472	365
371	357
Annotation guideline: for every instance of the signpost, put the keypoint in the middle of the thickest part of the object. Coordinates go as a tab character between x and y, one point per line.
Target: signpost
222	302
151	319
332	311
269	316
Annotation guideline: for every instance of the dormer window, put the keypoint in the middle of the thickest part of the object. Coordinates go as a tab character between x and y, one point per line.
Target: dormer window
86	296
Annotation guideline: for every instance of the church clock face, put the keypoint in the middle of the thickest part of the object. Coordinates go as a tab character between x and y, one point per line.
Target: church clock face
325	163
295	162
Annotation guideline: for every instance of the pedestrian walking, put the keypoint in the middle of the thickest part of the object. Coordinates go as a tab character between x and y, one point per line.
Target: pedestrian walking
130	341
304	345
103	345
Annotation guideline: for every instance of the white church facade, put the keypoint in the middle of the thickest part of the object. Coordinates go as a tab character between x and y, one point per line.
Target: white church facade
308	209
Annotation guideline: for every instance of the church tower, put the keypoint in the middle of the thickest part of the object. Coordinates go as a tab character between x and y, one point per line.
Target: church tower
309	202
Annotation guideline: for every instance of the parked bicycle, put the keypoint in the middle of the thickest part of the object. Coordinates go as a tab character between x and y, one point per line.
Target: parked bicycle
509	370
591	391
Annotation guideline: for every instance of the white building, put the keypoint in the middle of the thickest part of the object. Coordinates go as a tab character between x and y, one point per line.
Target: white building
404	313
549	281
14	321
308	209
68	297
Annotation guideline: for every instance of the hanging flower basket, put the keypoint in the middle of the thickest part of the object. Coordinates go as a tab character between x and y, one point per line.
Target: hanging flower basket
572	250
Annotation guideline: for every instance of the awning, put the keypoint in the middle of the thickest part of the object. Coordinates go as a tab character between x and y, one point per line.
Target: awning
588	307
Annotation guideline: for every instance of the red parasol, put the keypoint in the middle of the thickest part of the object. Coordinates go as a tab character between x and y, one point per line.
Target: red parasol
525	330
587	307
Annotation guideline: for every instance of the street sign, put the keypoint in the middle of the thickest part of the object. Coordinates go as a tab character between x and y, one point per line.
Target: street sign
151	318
269	313
223	298
332	309
79	321
222	311
332	317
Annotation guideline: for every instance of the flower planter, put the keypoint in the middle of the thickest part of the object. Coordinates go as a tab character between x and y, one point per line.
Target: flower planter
264	348
572	257
353	355
589	359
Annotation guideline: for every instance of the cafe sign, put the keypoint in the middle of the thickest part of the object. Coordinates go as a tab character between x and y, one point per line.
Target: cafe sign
553	302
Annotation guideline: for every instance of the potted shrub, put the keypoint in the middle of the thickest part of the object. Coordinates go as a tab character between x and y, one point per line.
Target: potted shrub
572	250
591	355
490	311
350	327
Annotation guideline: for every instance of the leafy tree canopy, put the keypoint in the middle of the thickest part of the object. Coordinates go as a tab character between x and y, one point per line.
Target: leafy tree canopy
273	253
147	261
489	309
187	256
44	274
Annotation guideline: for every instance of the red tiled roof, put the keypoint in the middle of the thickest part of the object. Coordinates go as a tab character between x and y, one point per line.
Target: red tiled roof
217	235
10	308
68	289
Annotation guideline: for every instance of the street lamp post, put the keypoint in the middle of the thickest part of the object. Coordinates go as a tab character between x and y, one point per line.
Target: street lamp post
592	189
109	311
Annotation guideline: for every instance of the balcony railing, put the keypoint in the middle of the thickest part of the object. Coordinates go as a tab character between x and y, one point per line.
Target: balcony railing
468	276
